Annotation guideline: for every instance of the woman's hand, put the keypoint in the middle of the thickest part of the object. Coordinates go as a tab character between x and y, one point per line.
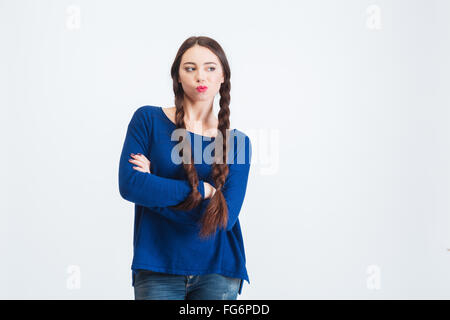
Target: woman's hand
143	164
209	190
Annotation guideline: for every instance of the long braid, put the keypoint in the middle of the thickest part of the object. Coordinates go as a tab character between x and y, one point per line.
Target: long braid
195	197
216	213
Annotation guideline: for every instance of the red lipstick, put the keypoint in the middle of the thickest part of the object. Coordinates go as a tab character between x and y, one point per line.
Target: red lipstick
202	88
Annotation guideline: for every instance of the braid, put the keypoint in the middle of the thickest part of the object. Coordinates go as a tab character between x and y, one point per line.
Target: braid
216	213
194	197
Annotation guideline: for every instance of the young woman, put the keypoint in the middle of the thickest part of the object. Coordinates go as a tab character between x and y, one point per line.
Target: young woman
188	190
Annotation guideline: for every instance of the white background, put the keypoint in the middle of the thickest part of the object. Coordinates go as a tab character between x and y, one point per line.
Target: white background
346	103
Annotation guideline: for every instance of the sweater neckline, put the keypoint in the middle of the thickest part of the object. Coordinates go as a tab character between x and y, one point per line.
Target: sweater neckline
174	125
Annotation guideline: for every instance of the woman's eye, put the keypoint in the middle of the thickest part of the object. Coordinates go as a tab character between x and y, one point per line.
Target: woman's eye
188	68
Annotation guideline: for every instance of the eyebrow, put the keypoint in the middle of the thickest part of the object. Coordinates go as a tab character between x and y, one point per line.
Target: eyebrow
194	63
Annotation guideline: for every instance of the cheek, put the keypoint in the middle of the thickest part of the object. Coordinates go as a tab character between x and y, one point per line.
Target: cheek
182	77
216	80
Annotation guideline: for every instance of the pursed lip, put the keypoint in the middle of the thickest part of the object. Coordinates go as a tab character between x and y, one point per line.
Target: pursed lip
202	88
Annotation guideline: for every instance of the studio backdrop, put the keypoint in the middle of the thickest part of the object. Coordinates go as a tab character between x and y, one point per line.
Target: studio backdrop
346	104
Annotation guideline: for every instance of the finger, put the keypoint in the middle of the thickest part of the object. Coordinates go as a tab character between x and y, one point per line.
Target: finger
141	157
138	169
137	162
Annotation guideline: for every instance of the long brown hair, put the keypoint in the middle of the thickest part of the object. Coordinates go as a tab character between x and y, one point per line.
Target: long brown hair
216	213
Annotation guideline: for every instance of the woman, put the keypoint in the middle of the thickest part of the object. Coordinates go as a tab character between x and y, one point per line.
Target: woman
187	237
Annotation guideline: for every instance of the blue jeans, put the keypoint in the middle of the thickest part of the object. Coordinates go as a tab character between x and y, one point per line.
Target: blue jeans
151	285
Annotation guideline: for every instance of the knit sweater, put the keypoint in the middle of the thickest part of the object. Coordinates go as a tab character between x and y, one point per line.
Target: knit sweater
166	240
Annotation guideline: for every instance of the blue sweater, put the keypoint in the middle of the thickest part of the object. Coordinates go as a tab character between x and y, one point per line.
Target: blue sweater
166	240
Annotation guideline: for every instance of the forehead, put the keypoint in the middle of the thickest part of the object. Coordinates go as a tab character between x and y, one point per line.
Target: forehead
199	55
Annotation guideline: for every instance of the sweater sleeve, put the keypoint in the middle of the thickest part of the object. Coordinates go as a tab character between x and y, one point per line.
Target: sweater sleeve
236	182
142	188
234	189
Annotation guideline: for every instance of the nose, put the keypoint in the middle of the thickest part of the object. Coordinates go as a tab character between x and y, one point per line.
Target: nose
200	76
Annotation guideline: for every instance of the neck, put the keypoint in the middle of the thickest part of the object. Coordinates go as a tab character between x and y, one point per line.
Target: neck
198	111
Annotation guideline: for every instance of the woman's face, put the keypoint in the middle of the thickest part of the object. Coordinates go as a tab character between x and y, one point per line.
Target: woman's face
200	67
